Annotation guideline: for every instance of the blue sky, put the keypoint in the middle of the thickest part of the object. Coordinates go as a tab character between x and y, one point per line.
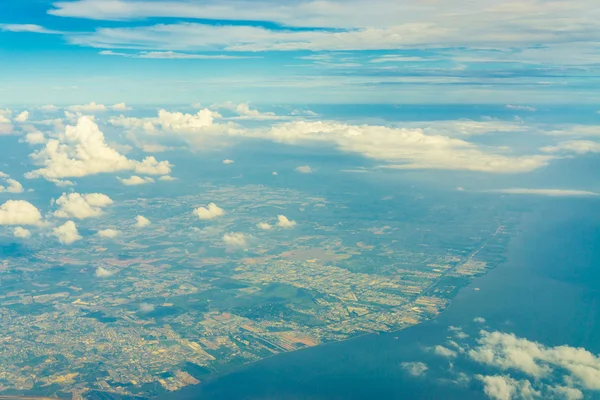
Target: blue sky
381	51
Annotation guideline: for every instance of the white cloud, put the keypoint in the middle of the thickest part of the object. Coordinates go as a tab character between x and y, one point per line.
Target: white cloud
506	388
444	351
67	233
102	272
546	192
228	161
141	221
235	240
21	233
82	151
35	138
146	308
135	180
305	169
29	28
479	320
566	393
574	146
19	212
75	205
92	107
49	108
120	107
284	222
508	352
274	173
167	178
11	185
108	233
264	226
210	212
23	117
414	368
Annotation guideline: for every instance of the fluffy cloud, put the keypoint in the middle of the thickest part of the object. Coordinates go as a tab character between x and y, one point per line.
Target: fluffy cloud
67	233
6	127
141	221
210	212
508	352
167	178
305	169
35	138
235	241
284	222
82	151
87	108
146	308
108	233
21	233
479	320
444	351
10	185
506	388
414	368
30	28
136	180
19	212
102	272
546	192
264	226
22	117
75	205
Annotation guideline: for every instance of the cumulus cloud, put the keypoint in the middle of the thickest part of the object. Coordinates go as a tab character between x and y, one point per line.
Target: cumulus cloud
120	107
479	320
274	173
235	240
414	368
228	161
506	388
75	205
10	185
211	212
167	178
546	192
35	138
108	233
264	226
81	150
444	351
67	233
284	222
146	308
22	117
141	221
21	233
87	108
136	180
19	212
102	272
305	169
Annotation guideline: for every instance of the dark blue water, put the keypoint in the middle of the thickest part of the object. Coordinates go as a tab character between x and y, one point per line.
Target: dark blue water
548	291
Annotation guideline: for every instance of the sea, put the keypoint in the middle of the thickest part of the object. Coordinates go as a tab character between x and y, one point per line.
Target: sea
547	291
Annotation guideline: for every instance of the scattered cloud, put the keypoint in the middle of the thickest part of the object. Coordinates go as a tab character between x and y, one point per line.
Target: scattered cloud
87	108
506	388
414	368
19	212
22	117
211	212
228	161
141	221
21	233
444	351
284	222
305	169
172	55
135	180
75	205
167	178
108	233
102	272
574	146
146	308
479	320
520	108
67	233
35	138
10	185
264	226
235	240
28	28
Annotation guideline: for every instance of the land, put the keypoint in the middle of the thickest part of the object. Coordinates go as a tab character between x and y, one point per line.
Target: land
180	306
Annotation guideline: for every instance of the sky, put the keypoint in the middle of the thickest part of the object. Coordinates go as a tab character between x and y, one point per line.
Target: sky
300	52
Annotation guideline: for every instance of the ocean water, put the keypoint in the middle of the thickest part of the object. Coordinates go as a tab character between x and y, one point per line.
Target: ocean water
548	291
